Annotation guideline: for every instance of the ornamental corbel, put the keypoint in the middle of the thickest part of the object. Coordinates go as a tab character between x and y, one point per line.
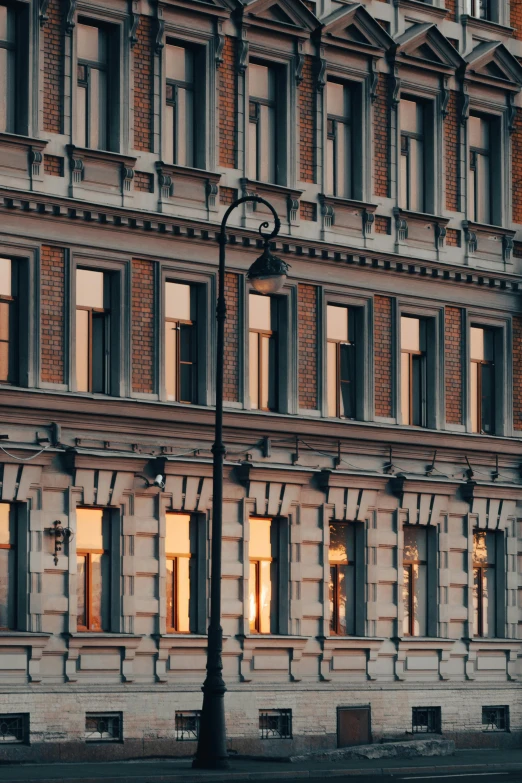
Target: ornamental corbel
440	236
212	191
470	237
299	64
293	209
320	80
219	44
70	11
166	185
507	247
374	79
35	161
243	52
127	175
42	11
134	23
511	113
444	98
328	213
368	219
76	166
159	41
464	106
401	225
395	84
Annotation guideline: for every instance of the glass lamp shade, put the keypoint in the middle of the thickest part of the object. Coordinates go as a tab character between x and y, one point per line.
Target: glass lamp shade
268	273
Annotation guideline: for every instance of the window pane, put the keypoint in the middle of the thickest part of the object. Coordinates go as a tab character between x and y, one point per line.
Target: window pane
478	133
81	115
472	184
346	599
99	599
170	576
4	340
476	343
261	81
406	597
338	99
182	139
179	63
410	333
259	312
332	378
342	543
260	545
99	104
177	301
333	598
415	544
416	175
89	288
330	166
265	596
253	593
267	152
7	90
404	182
89	528
170	359
186	390
474	402
253	359
420	598
91	44
5	524
488	398
417	390
253	129
405	387
488	598
81	577
169	135
264	369
98	352
5	277
484	189
7	24
347	367
82	350
476	600
183	594
484	550
410	116
177	541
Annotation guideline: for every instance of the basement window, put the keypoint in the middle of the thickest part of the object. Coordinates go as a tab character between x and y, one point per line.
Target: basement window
187	725
105	727
275	724
426	720
495	718
14	729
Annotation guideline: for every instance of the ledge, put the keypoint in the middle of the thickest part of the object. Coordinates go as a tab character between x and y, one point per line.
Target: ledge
183	640
427	8
423	643
23	141
421	216
269	187
486	228
351	642
348	202
273	641
186	171
486	24
87	639
23	639
100	156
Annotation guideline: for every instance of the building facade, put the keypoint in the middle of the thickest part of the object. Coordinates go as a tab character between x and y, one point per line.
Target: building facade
373	494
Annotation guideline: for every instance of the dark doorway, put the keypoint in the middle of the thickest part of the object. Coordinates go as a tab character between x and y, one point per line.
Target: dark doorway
353	726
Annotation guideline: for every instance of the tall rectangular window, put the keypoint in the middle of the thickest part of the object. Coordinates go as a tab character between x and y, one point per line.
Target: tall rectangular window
7	567
180	549
412	155
339	140
479	190
484	583
415	584
8	321
92	331
263	123
482	380
92	87
180	109
413	371
341	346
263	352
8	76
342	578
93	544
479	8
263	585
180	342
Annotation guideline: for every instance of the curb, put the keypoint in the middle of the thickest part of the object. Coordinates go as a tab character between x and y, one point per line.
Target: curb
222	777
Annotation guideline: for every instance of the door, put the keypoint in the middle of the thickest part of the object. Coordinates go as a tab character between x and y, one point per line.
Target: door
353	726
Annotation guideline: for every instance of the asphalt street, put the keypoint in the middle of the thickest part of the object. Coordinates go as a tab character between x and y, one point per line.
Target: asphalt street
455	777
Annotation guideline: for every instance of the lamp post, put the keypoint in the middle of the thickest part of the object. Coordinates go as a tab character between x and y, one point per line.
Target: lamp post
267	276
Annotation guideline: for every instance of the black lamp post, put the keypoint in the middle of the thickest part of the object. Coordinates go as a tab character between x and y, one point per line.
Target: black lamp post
267	276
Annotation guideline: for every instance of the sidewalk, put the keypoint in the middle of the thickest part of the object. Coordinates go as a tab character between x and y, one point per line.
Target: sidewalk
179	770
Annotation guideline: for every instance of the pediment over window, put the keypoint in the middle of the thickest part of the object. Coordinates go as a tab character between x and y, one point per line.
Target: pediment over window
286	15
490	60
424	45
352	26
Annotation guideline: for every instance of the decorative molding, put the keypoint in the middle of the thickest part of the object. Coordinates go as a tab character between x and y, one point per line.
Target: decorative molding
328	213
368	219
507	247
464	106
35	161
135	18
76	165
293	209
374	79
299	65
511	113
440	236
44	5
470	238
242	55
159	41
166	185
395	87
444	98
320	79
219	44
401	225
212	191
127	175
70	11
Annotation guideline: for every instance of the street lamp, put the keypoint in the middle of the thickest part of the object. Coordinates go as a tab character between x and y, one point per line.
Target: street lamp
267	276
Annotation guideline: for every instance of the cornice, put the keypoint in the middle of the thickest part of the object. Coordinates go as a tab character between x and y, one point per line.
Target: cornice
120	218
423	8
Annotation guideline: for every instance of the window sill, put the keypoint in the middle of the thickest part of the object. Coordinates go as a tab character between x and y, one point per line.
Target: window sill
36	642
351	642
410	214
486	24
272	187
417	5
174	170
23	141
100	156
170	640
488	228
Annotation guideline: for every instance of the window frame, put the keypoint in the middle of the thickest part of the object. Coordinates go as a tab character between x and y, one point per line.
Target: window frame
500	186
499	604
196	532
87	553
200	120
432	570
86	83
28	323
429	98
503	383
359	604
13	578
280	597
422	356
22	85
179	322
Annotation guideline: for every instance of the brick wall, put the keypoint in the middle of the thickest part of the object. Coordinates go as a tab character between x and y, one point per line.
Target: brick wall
452	237
144	182
516	18
143	326
381	138
382	224
53	69
231	369
52	285
517	373
143	86
227	196
307	122
227	105
53	165
382	338
308	210
451	5
307	360
451	135
516	151
453	364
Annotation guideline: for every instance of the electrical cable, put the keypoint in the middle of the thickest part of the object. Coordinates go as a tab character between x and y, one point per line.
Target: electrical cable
25	459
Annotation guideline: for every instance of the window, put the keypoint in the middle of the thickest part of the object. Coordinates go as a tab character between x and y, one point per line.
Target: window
103	728
93	543
412	117
415	585
182	108
180	547
8	320
275	724
92	331
339	140
93	88
187	725
341	367
180	342
426	720
264	132
482	372
262	589
7	567
478	8
485	577
14	729
8	54
263	353
343	596
479	170
413	371
495	718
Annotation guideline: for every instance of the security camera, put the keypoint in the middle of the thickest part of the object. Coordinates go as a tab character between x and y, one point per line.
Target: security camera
158	481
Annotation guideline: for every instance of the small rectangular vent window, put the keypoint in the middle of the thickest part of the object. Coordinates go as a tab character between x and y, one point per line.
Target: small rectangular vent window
106	727
495	718
187	725
426	720
275	724
14	728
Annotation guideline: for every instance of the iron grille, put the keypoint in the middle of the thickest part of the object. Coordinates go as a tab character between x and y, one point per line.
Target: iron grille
495	718
187	725
103	728
275	724
426	720
14	728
